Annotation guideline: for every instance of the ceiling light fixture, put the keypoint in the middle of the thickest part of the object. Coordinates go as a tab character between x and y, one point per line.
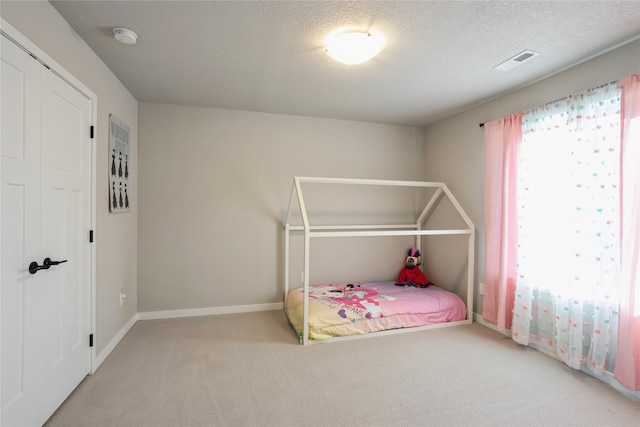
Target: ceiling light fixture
354	47
125	36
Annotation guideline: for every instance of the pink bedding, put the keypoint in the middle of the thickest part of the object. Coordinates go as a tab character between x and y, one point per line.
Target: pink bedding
343	310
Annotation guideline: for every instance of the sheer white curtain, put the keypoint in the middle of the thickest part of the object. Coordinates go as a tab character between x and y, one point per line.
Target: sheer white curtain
568	219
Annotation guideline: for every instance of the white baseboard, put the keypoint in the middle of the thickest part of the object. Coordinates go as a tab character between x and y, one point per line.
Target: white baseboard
113	343
208	311
478	319
171	314
606	377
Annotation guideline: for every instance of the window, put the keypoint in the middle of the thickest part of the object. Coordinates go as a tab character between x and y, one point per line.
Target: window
568	227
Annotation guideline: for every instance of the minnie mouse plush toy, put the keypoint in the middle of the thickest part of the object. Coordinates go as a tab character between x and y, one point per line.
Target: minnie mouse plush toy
411	275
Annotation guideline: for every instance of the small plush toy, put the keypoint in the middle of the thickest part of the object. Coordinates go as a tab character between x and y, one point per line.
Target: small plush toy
411	275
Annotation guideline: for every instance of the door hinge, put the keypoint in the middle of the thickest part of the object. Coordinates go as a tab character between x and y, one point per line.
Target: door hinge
91	131
90	236
91	340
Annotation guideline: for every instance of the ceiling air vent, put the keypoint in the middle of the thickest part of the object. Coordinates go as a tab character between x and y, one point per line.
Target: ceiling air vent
521	58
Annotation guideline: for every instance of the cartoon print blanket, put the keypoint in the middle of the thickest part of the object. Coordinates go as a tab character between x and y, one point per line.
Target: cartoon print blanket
362	307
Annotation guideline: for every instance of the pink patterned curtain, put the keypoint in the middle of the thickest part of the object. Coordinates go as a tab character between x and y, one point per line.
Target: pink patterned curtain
501	138
627	369
568	273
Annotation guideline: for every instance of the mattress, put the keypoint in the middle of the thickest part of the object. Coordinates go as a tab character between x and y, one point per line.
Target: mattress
362	307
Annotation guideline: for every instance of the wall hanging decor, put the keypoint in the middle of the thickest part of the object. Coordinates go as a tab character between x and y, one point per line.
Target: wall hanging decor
119	168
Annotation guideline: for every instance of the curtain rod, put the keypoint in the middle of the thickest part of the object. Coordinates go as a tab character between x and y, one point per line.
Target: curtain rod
569	96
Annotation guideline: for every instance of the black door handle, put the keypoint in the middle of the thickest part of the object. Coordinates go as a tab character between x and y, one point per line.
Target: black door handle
34	267
47	261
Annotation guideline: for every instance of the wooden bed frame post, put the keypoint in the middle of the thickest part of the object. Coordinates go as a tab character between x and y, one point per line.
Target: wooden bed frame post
305	312
307	241
471	272
471	251
287	233
414	229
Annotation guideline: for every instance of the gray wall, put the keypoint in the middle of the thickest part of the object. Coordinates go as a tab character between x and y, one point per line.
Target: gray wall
214	184
214	190
454	151
116	235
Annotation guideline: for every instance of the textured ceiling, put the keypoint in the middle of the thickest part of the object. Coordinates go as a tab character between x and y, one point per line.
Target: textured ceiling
268	56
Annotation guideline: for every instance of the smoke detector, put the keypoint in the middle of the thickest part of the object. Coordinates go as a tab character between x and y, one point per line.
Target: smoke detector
125	36
519	59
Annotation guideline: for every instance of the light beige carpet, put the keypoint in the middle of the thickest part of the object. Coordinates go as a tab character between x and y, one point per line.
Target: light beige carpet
249	370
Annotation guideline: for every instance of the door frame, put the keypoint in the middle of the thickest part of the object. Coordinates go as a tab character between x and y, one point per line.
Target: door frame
13	35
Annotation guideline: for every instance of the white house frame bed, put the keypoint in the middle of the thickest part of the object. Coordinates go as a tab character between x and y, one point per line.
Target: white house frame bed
312	231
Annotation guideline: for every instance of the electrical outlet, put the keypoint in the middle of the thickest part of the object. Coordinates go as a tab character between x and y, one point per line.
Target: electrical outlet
122	296
481	288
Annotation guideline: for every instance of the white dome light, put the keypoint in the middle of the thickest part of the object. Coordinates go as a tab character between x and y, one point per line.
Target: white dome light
354	47
125	36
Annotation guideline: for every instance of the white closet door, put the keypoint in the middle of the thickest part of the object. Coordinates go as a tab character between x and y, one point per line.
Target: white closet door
46	213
